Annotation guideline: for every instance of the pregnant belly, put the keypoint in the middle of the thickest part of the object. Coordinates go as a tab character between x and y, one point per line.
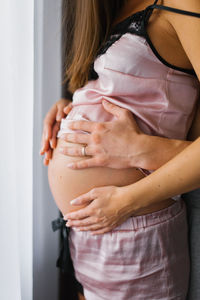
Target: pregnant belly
66	184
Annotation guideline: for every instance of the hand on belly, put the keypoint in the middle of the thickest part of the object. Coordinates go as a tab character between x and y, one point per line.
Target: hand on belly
67	184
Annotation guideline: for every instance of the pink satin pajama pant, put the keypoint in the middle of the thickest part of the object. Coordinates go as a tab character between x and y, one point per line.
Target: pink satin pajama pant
145	258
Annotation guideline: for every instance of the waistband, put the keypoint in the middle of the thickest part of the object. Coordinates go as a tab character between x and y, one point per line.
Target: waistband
135	223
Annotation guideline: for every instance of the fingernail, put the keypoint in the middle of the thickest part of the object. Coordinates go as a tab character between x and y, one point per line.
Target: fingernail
71	165
76	229
67	224
58	118
52	143
75	201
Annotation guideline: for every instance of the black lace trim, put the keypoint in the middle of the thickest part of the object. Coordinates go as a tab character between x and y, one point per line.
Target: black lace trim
133	24
136	24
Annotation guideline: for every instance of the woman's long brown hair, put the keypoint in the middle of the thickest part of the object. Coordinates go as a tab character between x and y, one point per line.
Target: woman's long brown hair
86	25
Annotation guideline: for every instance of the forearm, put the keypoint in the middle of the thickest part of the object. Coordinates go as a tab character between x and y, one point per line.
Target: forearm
155	151
194	131
181	174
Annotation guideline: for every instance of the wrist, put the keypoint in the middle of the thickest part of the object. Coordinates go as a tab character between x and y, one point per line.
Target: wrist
139	151
139	197
153	151
132	195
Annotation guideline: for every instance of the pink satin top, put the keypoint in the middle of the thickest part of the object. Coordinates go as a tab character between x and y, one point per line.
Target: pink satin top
130	75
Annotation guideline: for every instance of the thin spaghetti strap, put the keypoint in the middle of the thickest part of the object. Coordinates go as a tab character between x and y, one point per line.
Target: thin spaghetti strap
147	13
174	10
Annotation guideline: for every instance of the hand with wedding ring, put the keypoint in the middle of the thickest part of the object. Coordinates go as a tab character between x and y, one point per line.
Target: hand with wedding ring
117	144
107	144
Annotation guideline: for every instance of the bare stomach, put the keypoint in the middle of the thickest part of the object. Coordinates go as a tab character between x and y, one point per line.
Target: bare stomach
67	184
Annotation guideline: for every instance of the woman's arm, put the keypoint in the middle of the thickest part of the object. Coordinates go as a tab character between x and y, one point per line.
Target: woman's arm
135	148
120	143
106	210
179	175
194	132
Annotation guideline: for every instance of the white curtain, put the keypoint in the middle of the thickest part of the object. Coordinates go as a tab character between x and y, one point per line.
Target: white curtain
16	127
29	83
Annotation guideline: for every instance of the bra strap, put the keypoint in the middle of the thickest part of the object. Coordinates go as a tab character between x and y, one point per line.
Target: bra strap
147	13
174	10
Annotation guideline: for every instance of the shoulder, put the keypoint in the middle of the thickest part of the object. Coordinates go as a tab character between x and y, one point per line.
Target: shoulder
180	18
186	27
187	5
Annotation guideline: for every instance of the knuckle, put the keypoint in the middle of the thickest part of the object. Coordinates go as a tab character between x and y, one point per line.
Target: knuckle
96	138
99	127
99	213
96	220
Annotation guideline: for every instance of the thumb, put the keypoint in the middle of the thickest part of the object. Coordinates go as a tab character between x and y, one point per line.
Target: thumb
121	113
115	110
67	108
60	114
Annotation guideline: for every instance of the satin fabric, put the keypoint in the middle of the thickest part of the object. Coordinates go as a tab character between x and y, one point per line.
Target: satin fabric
163	102
145	258
130	75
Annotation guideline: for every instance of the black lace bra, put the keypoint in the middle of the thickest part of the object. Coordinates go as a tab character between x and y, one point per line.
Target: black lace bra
137	24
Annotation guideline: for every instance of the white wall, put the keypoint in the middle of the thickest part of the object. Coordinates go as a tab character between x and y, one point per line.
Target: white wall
47	91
